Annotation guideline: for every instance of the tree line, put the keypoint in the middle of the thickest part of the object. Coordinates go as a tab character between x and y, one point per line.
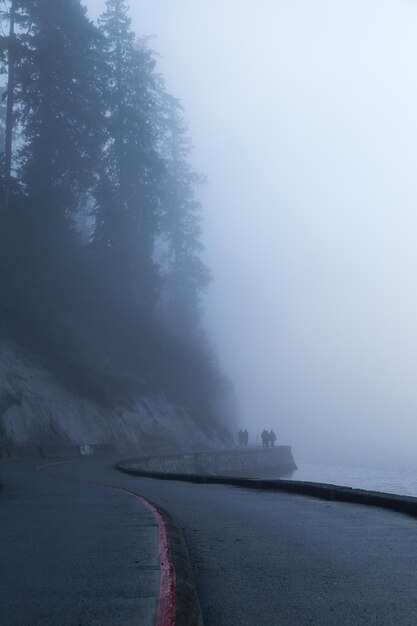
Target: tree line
100	249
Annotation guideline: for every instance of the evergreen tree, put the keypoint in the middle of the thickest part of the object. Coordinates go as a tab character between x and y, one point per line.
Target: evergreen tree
186	276
127	194
11	62
104	150
59	110
13	21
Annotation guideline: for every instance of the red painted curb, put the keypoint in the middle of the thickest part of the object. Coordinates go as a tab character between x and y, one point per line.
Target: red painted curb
166	603
167	583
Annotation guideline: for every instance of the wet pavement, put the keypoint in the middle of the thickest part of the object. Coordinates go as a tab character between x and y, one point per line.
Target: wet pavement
259	558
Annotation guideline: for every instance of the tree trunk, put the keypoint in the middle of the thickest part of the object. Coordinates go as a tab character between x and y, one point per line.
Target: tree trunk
9	108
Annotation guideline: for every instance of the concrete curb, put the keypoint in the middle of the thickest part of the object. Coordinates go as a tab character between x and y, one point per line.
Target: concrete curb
337	493
187	605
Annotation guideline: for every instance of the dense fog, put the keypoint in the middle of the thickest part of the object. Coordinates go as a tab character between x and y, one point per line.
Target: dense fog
303	118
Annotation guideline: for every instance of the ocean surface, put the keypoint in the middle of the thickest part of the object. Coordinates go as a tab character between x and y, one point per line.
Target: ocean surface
399	479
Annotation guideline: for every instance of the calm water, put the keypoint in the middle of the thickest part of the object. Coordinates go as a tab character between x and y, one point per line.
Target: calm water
400	479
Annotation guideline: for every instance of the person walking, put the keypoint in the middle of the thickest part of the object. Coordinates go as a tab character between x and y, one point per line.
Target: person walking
245	438
265	438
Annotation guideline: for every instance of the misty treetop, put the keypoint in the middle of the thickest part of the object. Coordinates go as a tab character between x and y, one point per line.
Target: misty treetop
100	266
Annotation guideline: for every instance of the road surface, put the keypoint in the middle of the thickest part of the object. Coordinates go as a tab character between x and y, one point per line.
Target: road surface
260	558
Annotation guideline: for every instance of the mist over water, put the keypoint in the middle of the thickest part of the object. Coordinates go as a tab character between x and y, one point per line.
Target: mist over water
303	117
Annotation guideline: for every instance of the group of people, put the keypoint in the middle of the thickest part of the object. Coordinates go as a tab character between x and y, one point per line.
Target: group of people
268	438
243	437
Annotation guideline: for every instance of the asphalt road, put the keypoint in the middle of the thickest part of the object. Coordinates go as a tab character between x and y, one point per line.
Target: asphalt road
73	553
260	558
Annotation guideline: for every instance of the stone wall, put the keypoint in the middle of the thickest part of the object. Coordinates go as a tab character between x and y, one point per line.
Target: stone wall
241	462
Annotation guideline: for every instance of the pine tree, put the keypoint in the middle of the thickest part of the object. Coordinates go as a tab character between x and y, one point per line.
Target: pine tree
59	111
97	131
186	276
11	62
14	19
127	194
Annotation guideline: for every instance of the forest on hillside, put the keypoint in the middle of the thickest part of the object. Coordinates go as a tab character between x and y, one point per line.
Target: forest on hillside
100	244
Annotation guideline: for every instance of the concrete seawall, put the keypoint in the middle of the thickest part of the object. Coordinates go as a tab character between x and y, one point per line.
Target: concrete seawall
248	462
323	491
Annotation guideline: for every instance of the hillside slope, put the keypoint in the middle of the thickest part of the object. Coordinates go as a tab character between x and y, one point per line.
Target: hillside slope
36	408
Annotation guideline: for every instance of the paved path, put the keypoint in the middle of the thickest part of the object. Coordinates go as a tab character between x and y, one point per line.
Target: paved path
73	553
260	558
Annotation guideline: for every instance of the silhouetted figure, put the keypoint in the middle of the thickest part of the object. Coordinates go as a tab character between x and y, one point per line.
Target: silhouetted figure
240	437
272	438
245	437
265	438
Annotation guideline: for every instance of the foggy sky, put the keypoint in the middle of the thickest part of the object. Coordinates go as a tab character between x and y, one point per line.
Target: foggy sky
303	114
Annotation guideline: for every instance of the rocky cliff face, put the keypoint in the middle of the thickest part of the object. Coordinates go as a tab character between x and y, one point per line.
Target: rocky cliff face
38	409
